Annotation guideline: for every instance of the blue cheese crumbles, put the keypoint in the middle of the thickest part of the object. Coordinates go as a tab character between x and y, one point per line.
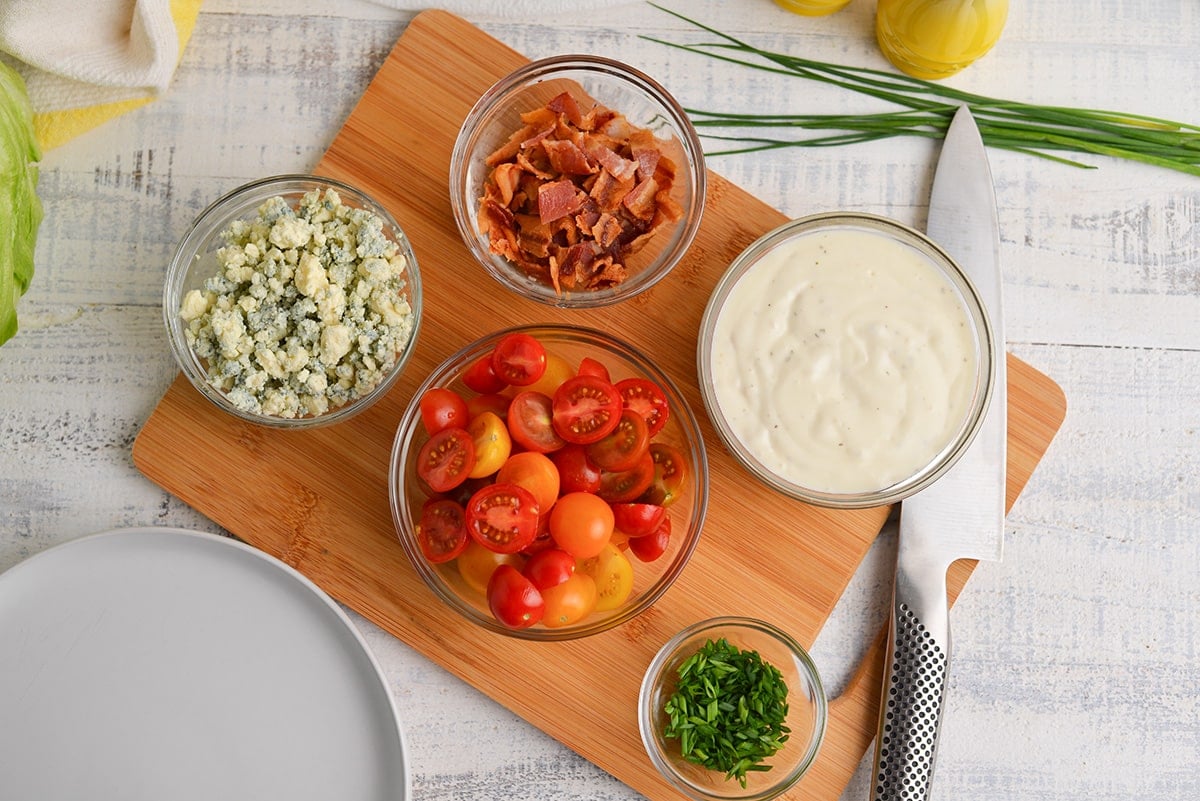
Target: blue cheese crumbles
307	311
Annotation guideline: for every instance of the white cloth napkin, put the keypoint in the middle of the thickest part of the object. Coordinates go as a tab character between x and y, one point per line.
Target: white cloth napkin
531	9
76	53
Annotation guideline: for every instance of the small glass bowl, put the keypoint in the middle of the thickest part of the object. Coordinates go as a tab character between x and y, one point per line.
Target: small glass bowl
806	717
650	579
971	306
616	86
195	261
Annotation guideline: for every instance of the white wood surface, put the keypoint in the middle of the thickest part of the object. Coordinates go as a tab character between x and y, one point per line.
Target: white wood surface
1077	659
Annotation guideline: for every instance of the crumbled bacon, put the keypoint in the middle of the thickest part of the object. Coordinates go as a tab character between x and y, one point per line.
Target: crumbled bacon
574	192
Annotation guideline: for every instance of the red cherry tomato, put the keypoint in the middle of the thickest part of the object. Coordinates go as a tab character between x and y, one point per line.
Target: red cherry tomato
623	447
531	422
627	485
670	475
589	366
442	530
446	459
442	408
492	402
549	567
647	399
503	517
586	408
638	519
513	599
653	545
576	472
519	359
482	378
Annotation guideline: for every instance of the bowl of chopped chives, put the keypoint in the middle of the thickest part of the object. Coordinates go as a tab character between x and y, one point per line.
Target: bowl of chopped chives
732	708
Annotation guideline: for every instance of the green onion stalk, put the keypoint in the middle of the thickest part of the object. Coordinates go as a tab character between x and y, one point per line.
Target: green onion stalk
926	109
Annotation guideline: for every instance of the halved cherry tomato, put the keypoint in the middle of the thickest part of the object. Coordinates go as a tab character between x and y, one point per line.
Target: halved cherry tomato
477	563
622	448
518	359
647	399
442	408
670	475
446	459
531	422
492	443
581	524
492	402
558	370
482	378
442	530
613	574
576	472
627	485
536	473
589	366
513	599
638	519
503	517
585	409
569	602
653	545
549	567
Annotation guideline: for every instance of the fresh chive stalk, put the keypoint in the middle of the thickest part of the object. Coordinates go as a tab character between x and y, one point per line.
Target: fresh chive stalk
729	710
928	107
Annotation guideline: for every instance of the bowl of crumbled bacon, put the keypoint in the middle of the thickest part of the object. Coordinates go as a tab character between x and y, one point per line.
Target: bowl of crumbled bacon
577	181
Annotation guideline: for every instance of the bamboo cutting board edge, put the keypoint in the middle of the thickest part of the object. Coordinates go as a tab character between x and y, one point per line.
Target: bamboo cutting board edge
342	537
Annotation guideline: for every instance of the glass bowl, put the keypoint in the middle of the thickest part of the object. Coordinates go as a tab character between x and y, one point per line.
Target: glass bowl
258	299
807	710
845	360
651	579
618	87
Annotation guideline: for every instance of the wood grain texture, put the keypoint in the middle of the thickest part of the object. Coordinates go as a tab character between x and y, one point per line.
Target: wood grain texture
318	499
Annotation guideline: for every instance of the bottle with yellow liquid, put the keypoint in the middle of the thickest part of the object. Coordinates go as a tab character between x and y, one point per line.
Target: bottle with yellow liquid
934	39
812	8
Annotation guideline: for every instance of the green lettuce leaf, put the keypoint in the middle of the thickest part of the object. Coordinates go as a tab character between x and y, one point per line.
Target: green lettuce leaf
20	207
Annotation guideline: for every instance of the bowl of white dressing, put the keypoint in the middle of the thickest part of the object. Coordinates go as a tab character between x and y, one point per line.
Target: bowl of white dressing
845	360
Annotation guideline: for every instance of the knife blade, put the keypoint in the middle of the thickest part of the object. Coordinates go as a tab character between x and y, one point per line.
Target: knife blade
961	515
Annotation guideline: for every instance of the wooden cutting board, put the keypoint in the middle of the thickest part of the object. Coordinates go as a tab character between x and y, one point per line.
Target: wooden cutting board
319	499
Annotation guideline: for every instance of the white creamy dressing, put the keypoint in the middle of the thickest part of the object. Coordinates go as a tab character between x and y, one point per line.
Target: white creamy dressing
844	361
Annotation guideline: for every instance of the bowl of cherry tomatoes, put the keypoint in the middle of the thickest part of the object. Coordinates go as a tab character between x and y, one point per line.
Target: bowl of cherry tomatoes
548	482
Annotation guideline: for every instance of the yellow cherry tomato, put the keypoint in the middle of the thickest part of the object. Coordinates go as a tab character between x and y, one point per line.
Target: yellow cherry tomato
477	563
492	443
613	573
558	370
569	602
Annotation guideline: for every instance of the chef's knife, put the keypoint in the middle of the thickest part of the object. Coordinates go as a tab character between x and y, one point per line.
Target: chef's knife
961	515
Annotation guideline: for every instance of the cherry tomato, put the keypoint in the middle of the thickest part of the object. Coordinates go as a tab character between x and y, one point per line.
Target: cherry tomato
613	574
585	409
576	471
589	366
581	524
549	567
569	602
653	545
503	517
638	519
477	563
531	422
670	475
558	370
442	530
647	399
627	485
518	359
492	402
482	378
536	473
513	599
442	408
623	447
446	459
492	443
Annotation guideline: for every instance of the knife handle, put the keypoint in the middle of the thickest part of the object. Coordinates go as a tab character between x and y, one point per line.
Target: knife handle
914	684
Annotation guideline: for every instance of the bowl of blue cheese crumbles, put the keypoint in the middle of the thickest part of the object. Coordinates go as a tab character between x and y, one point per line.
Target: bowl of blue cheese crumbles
293	301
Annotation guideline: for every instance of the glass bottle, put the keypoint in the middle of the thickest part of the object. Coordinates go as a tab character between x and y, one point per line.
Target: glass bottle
933	39
812	8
